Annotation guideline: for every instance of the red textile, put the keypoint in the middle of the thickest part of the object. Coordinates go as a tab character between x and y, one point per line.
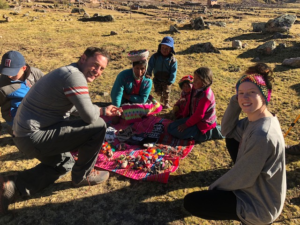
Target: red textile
136	87
205	114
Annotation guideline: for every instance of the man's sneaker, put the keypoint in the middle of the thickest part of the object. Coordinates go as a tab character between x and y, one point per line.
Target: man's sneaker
95	177
7	193
292	149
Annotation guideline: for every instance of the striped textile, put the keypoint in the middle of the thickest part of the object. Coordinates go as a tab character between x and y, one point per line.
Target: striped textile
80	90
134	112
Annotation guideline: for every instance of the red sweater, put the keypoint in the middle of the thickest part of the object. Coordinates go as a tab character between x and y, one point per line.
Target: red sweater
204	111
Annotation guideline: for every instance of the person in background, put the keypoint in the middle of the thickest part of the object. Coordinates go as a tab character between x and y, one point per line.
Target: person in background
199	120
186	85
163	64
16	79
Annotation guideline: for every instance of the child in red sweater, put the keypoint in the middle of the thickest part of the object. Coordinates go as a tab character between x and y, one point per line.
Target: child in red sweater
199	120
185	85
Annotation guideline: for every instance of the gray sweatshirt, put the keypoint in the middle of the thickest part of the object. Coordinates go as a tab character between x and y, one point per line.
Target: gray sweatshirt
258	178
51	100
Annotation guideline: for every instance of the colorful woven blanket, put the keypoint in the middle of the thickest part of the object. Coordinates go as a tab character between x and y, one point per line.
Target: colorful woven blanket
173	148
135	112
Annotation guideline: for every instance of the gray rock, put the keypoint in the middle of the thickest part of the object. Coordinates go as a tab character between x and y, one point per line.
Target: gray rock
266	48
86	15
174	29
279	48
77	10
293	62
198	23
113	33
236	44
258	27
221	24
9	19
107	18
282	23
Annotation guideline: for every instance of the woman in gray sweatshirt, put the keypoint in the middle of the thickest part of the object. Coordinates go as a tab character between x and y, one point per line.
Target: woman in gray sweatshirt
254	190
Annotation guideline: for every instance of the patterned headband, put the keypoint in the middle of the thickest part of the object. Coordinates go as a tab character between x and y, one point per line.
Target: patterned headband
259	81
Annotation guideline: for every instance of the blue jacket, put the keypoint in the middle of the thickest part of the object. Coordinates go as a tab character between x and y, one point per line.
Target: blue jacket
12	93
158	63
125	81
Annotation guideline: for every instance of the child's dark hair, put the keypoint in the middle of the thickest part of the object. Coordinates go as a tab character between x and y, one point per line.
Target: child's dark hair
264	70
206	76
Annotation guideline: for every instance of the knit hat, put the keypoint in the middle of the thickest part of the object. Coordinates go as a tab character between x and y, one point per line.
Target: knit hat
186	79
259	81
11	63
169	42
138	55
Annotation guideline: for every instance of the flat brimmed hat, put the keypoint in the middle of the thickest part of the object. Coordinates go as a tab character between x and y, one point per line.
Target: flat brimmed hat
11	63
138	55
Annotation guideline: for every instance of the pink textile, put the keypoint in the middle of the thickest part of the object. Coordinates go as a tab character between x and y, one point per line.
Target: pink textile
134	112
183	147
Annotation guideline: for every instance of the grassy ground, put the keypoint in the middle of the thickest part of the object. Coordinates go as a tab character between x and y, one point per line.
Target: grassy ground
57	38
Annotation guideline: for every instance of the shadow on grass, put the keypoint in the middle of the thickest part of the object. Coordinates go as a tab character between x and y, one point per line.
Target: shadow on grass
252	36
14	156
293	177
295	201
4	141
166	32
281	68
296	87
131	205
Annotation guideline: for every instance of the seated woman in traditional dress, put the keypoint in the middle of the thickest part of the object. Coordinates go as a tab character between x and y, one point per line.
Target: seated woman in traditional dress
131	90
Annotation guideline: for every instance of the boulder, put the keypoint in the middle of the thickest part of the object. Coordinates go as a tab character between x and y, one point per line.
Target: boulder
221	24
77	10
198	23
244	45
236	44
282	23
293	62
174	29
86	15
9	19
107	18
208	47
113	33
266	48
258	27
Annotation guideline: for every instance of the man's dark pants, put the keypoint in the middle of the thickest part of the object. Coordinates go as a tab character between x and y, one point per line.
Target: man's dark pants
52	148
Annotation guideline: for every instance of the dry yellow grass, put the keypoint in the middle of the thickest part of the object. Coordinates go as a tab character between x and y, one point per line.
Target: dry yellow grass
57	38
